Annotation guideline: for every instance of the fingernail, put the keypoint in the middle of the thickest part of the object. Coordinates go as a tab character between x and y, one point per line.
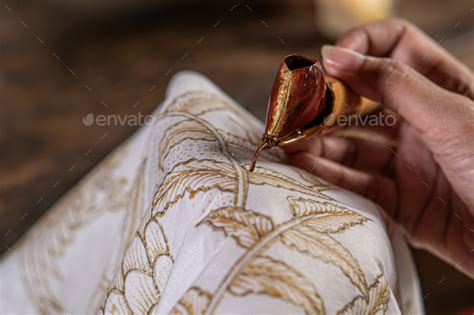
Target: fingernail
341	59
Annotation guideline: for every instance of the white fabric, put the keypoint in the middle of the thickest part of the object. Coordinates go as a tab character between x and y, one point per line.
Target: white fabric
173	222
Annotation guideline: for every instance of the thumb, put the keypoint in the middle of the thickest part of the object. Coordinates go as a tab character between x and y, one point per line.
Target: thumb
420	102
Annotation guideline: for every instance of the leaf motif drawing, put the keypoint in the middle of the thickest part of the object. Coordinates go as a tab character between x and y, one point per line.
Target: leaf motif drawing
252	130
140	292
335	222
245	226
264	176
155	241
176	134
135	258
332	218
236	141
135	207
311	236
145	270
116	304
192	177
323	247
377	302
309	233
194	302
303	206
265	275
103	190
246	144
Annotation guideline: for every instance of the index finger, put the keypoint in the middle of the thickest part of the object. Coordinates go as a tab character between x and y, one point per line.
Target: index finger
401	40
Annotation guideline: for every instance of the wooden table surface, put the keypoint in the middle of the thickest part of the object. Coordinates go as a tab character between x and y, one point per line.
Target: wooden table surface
62	60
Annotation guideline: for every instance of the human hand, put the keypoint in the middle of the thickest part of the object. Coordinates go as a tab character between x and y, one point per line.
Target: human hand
425	182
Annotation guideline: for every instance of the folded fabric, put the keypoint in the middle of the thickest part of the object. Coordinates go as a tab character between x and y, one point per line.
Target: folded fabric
173	222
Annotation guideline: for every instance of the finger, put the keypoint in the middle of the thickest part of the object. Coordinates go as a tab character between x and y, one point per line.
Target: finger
403	41
398	87
374	134
374	187
385	132
359	154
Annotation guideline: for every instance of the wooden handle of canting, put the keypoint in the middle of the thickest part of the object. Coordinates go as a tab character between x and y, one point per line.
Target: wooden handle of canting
346	101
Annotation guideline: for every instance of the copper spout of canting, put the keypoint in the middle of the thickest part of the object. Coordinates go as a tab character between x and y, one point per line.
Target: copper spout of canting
301	101
261	147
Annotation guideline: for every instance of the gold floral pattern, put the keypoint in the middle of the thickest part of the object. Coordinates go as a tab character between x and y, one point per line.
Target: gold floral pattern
187	229
98	193
309	231
144	272
376	302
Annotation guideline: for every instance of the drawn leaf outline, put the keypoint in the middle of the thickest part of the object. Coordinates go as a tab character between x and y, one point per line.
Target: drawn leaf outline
245	226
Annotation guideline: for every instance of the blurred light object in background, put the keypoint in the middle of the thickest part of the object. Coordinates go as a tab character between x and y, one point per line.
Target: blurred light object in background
334	17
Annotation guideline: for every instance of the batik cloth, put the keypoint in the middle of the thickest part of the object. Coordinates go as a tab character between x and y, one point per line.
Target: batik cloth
173	222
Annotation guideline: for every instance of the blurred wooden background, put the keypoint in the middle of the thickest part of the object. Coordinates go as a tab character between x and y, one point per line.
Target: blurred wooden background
61	60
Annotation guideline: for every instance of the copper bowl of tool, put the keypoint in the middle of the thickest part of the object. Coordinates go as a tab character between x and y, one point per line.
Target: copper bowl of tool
305	101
